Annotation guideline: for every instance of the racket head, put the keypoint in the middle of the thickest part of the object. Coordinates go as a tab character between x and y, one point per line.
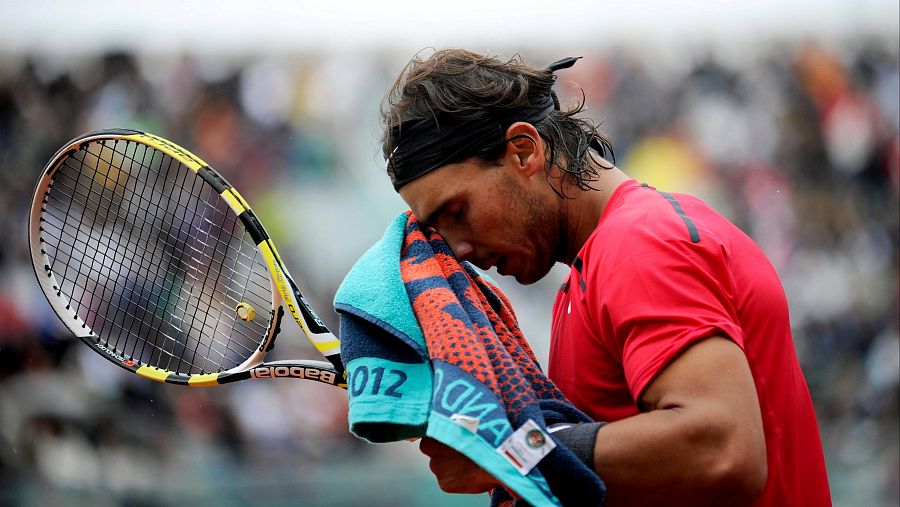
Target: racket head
154	261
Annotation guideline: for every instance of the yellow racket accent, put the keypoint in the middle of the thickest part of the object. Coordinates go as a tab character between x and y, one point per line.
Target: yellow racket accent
240	198
274	263
208	379
153	373
329	347
177	152
235	201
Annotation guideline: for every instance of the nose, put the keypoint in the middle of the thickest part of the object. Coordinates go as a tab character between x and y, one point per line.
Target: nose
461	249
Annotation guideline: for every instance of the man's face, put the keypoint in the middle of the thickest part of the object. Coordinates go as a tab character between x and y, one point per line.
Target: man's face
490	215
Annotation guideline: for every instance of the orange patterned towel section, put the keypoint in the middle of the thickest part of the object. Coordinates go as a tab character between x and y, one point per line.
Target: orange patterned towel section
476	330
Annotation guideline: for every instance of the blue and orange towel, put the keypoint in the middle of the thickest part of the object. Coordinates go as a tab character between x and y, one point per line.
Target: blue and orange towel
433	348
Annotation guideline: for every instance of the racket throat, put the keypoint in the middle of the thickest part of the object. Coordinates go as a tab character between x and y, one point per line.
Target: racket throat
269	343
323	335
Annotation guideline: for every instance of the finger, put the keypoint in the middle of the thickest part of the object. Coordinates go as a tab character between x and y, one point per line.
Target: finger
433	449
429	447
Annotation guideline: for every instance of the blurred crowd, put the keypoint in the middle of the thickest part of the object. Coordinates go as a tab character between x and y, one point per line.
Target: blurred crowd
796	142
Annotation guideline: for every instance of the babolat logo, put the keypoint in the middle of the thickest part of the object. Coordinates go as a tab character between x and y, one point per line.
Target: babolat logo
109	352
301	372
284	289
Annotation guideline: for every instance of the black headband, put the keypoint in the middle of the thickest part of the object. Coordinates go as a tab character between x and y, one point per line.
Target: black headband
425	144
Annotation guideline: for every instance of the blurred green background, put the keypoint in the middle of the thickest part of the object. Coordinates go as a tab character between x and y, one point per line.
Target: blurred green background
783	115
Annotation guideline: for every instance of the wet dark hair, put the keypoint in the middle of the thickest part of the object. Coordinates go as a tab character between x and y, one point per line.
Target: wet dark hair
455	87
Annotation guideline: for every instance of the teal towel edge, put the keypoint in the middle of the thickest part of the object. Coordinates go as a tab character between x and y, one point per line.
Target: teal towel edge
374	285
389	401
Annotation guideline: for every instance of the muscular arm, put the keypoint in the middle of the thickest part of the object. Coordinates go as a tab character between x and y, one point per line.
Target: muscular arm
699	440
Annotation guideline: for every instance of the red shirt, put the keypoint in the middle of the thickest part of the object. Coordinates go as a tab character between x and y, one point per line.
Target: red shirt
659	273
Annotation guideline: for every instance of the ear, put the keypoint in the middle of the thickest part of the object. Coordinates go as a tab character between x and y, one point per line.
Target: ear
525	149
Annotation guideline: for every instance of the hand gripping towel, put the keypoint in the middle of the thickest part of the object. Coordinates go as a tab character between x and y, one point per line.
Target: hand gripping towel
433	348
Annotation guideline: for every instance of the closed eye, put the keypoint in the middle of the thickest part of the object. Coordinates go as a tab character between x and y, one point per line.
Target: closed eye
452	211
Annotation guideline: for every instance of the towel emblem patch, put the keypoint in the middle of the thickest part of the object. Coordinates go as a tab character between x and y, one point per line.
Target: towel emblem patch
526	447
535	438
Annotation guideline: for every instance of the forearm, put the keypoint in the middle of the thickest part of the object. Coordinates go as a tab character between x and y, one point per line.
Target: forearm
675	457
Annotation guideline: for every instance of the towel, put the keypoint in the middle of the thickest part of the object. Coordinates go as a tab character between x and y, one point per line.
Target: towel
433	348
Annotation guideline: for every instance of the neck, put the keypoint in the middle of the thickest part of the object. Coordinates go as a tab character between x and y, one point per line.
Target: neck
582	211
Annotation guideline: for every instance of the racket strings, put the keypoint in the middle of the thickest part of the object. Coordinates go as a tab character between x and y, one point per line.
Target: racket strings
138	248
238	261
188	273
153	259
194	279
210	261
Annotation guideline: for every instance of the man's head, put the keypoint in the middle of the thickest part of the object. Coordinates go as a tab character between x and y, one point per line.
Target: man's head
480	149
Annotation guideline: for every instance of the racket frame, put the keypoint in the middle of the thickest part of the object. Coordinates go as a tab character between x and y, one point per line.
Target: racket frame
285	293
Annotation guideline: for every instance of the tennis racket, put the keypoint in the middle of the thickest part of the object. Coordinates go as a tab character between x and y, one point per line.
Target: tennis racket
158	264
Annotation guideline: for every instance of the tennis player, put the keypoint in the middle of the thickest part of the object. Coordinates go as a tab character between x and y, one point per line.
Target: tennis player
672	326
